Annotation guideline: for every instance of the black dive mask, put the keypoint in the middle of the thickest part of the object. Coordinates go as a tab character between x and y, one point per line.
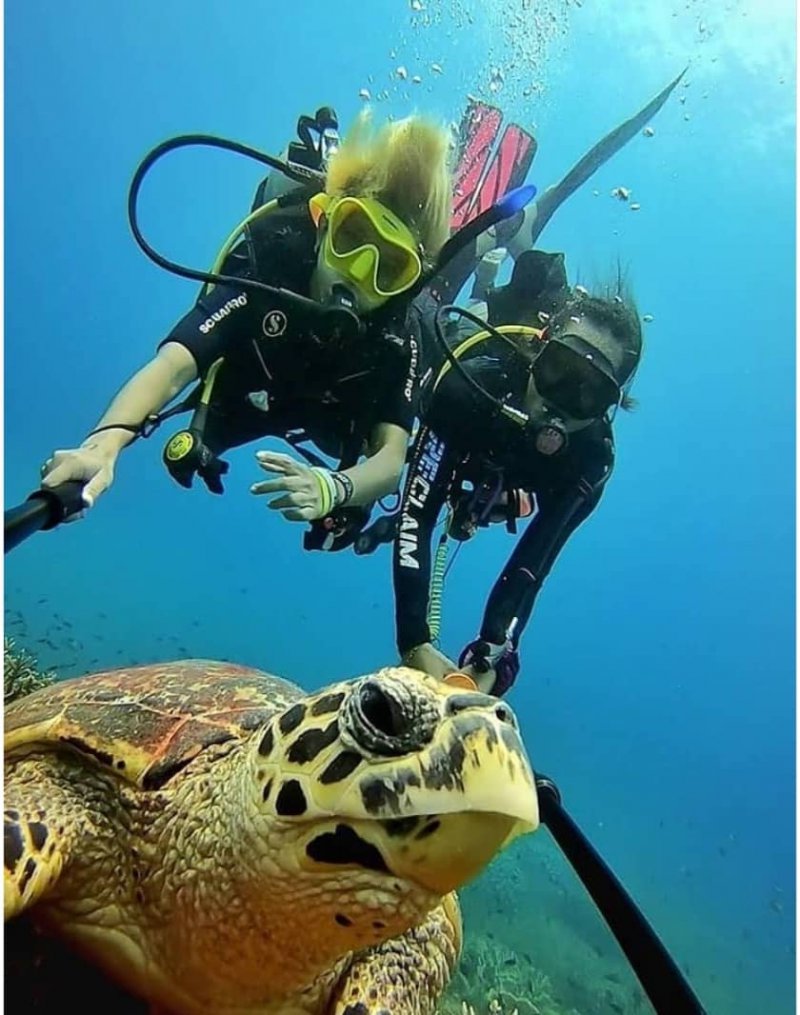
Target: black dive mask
575	378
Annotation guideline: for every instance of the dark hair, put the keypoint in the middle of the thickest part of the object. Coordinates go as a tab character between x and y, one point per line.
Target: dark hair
616	314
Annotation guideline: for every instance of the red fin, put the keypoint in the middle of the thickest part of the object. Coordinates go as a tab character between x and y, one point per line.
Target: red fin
479	128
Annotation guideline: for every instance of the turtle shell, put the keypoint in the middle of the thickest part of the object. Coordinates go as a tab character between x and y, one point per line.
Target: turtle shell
148	722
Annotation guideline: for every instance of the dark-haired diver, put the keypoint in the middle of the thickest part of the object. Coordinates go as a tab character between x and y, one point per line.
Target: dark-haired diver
266	364
547	457
526	434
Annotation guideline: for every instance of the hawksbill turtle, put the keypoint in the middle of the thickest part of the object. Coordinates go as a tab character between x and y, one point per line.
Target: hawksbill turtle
214	840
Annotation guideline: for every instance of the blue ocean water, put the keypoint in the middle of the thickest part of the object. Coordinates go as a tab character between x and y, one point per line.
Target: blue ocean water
658	670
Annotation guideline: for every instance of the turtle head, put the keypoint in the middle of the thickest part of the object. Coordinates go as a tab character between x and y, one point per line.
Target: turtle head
395	779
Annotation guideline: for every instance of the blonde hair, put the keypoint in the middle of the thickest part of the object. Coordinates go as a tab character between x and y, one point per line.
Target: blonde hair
404	165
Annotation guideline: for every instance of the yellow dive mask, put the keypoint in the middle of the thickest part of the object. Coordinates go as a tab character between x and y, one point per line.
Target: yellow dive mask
367	245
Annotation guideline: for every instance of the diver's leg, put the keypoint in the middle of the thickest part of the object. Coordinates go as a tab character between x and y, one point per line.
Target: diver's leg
539	213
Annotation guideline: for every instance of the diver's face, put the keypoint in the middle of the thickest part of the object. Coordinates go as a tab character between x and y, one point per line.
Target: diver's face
599	338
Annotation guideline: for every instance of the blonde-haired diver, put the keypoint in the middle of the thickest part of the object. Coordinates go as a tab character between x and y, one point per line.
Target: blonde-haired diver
271	367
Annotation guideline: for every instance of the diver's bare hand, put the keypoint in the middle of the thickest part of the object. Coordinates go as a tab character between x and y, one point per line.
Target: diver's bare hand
90	465
430	660
302	497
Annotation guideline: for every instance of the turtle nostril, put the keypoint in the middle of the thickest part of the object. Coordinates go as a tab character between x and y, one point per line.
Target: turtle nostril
381	711
386	717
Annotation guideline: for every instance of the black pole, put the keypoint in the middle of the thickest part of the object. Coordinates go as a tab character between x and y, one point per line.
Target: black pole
659	975
44	509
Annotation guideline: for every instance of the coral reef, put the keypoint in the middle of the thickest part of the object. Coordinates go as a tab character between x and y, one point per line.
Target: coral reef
21	673
491	978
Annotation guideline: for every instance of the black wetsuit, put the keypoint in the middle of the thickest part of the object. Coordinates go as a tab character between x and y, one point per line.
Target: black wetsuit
277	377
460	440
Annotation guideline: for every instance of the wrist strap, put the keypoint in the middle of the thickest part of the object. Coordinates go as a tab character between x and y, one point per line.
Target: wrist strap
327	490
143	429
345	485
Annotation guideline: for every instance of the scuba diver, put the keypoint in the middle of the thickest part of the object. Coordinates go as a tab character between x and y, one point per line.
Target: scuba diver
561	482
327	352
517	423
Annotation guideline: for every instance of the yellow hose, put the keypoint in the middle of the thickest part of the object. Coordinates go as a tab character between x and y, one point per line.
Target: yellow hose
437	585
264	209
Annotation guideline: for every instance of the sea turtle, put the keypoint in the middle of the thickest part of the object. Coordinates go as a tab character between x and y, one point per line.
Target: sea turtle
217	841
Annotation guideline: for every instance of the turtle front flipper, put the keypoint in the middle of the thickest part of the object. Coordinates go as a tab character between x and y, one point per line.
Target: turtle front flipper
41	823
31	863
406	975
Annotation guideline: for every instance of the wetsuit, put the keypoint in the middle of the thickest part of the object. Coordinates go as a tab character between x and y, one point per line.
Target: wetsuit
460	441
277	376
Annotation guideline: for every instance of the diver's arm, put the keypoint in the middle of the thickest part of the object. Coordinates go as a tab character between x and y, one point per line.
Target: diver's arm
379	474
492	660
514	593
145	393
396	379
430	475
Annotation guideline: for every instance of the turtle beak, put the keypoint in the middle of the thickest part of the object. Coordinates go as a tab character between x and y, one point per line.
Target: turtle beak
458	850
